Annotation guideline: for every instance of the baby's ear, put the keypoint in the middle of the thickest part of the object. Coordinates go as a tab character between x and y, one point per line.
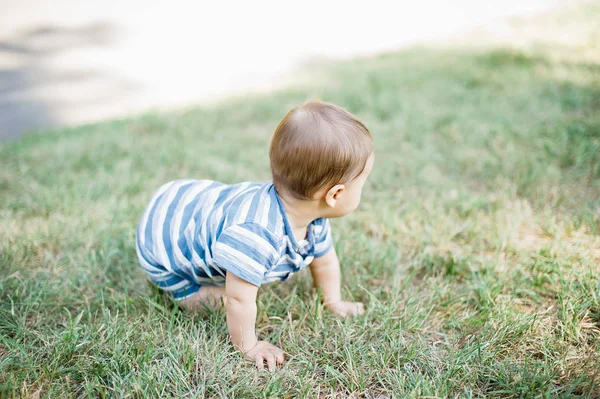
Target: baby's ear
333	195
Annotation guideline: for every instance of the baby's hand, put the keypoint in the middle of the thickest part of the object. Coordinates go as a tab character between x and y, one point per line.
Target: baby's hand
264	351
344	309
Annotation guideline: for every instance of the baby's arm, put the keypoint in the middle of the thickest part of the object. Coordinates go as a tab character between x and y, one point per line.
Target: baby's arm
326	275
241	322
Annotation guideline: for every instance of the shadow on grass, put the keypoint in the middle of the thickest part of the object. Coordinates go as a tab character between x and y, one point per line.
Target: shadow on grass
31	91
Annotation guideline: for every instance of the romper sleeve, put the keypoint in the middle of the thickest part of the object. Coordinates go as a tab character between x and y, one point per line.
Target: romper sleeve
323	239
247	250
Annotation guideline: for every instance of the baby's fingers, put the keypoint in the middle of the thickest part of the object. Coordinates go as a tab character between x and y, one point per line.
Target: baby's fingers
360	309
260	362
271	362
280	357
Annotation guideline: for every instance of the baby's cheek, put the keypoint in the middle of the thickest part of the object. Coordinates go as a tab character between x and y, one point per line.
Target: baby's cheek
355	203
358	198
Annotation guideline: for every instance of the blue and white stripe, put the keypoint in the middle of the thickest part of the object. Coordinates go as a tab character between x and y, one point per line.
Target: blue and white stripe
194	231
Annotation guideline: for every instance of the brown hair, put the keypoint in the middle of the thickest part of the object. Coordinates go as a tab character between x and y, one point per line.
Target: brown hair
318	144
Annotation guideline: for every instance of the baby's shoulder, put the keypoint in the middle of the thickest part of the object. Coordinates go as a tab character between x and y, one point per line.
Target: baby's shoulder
256	205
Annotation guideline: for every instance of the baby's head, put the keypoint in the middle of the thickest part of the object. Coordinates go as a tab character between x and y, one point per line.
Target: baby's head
321	152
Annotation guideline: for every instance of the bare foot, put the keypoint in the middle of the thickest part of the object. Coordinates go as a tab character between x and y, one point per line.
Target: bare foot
207	297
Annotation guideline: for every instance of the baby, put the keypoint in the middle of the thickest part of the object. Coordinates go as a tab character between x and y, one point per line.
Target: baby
208	243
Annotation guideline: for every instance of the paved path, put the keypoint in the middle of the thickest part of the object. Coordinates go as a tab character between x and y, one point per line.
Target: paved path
67	62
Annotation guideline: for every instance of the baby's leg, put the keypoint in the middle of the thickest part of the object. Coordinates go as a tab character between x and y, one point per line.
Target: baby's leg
211	297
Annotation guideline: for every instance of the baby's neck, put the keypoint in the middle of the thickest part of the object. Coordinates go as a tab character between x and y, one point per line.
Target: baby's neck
300	213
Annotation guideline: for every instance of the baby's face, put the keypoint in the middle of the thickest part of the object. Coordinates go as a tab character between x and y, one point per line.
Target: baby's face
349	199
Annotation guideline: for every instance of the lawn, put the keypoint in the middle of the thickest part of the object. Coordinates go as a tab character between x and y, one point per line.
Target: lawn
476	247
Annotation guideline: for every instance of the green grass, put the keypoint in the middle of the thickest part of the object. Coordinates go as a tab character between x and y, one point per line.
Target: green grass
476	247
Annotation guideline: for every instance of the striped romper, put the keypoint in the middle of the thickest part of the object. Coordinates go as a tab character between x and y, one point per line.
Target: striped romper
194	231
